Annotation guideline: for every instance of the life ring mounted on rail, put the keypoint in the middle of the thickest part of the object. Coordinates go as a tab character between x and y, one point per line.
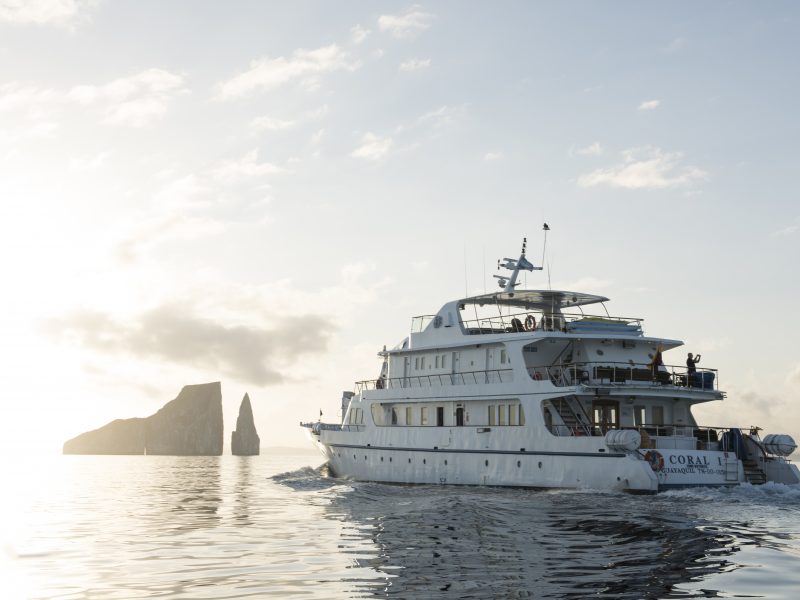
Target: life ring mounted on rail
530	323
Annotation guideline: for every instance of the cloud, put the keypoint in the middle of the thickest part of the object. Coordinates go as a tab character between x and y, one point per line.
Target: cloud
789	230
43	12
489	156
676	45
267	73
358	34
584	284
373	147
409	24
649	105
415	64
266	123
136	100
246	167
269	123
92	163
645	168
444	115
255	353
593	149
793	379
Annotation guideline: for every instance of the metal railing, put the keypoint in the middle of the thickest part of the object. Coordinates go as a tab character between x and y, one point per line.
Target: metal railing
515	323
439	379
616	373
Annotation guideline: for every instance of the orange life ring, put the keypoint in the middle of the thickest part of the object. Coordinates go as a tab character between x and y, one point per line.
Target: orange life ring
655	459
530	323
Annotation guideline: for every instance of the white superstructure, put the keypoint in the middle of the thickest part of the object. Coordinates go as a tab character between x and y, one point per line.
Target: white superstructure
529	388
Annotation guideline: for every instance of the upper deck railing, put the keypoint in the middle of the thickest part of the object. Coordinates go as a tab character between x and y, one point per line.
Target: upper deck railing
537	321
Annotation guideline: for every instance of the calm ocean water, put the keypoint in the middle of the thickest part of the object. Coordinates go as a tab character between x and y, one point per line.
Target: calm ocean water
277	526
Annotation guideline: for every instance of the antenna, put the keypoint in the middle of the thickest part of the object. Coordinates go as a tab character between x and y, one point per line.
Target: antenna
466	287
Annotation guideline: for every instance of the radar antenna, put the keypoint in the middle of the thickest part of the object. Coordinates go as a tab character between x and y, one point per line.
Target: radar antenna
508	283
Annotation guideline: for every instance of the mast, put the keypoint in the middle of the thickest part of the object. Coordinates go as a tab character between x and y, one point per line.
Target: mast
508	283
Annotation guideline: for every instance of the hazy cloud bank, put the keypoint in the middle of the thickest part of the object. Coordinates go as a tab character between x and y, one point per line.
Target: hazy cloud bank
248	353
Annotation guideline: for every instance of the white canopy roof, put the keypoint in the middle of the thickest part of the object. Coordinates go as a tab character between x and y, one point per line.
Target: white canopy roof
537	299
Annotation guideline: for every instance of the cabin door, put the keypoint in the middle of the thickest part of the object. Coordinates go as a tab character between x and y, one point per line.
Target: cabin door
605	414
406	370
455	369
459	415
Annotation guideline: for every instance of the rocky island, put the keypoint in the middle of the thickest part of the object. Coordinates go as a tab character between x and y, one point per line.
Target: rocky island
245	441
189	425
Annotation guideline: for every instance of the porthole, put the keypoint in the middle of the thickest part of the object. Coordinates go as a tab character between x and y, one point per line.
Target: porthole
424	461
390	459
600	352
486	462
381	459
540	464
365	457
354	456
519	463
445	462
409	461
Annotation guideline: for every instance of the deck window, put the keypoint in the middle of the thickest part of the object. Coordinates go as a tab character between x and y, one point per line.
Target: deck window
503	357
512	414
394	416
501	414
639	416
491	414
423	415
658	415
521	415
409	415
440	416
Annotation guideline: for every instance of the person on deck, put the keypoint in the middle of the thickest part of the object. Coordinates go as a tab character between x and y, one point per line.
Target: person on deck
691	361
657	364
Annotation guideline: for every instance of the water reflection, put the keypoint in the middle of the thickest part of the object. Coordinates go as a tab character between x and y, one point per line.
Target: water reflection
242	492
479	543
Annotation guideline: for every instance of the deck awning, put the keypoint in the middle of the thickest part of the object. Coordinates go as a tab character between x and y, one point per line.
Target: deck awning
537	299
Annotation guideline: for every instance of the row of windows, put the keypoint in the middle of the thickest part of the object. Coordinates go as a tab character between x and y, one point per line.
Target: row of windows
356	416
439	361
506	414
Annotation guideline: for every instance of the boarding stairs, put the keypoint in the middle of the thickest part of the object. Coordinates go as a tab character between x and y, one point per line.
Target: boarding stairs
572	415
754	461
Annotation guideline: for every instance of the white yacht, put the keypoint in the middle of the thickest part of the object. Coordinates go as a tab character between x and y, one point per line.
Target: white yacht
532	388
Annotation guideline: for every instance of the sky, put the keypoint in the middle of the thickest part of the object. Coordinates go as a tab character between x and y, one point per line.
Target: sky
264	194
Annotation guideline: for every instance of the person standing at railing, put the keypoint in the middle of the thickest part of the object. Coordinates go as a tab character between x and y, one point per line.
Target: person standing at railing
691	361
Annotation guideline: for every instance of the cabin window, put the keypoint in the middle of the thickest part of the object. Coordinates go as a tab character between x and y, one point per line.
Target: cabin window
409	415
351	416
521	415
422	362
444	360
638	416
416	363
501	414
658	415
491	414
394	416
512	414
437	361
423	415
440	416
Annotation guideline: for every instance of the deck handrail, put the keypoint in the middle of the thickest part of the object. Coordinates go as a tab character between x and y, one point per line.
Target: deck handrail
438	379
503	323
618	373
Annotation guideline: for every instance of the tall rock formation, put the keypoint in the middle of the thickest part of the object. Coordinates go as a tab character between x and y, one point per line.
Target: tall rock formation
189	425
245	441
